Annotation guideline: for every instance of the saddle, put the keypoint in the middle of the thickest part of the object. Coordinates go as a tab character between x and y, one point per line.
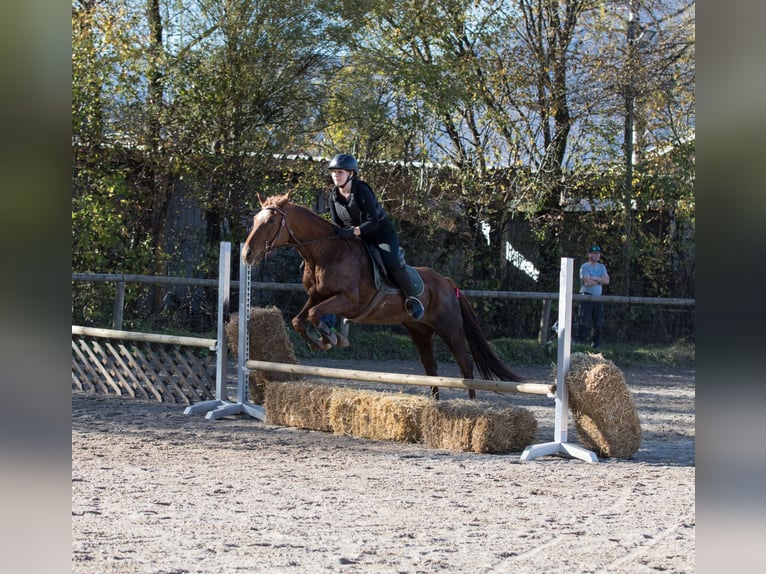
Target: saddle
383	283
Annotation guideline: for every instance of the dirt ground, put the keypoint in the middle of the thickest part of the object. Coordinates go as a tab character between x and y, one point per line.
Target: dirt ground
158	491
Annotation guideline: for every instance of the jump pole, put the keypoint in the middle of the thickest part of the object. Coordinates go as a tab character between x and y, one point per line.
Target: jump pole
221	406
560	444
405	379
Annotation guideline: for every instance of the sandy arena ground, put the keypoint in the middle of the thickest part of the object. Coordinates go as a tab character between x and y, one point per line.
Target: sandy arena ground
156	491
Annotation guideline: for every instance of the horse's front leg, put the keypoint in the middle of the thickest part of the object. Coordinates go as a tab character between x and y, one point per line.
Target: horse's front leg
335	305
299	323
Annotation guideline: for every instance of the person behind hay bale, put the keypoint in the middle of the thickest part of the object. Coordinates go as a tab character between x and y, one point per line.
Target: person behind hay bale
468	426
378	416
604	413
269	341
341	332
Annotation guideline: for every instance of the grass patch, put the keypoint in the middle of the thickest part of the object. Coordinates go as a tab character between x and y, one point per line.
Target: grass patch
678	354
382	345
523	351
366	345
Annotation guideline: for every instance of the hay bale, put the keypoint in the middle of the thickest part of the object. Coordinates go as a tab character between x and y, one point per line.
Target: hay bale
604	413
269	341
379	416
300	405
470	426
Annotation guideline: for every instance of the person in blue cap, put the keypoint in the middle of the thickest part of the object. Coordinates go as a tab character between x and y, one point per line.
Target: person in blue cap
355	211
593	276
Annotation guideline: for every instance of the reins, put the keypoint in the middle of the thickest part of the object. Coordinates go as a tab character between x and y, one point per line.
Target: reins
293	238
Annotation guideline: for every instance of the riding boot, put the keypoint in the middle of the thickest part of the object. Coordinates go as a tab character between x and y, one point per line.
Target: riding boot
412	304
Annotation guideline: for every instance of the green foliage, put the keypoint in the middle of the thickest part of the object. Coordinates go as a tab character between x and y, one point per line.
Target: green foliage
103	236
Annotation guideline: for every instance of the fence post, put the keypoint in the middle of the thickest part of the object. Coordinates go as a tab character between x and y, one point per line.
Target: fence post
119	304
545	323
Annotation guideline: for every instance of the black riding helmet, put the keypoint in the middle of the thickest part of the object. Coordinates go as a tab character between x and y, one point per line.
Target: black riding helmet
344	161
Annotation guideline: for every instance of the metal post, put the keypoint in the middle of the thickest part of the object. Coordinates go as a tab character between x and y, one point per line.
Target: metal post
222	407
221	359
628	141
560	432
119	305
243	338
224	284
545	323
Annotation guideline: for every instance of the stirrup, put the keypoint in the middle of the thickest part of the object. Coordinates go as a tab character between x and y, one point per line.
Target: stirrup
414	307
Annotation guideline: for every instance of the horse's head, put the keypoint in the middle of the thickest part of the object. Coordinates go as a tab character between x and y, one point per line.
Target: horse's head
269	229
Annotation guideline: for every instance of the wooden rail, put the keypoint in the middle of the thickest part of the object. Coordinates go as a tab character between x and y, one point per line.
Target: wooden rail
145	337
405	379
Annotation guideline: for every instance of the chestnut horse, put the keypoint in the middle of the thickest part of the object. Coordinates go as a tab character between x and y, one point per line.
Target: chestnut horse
338	279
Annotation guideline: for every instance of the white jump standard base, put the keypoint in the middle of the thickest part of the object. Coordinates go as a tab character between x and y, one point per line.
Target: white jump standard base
225	409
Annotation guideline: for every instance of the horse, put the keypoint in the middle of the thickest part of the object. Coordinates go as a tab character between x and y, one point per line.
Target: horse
339	278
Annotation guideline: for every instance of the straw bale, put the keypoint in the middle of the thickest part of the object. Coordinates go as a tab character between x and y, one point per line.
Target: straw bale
300	405
375	415
602	407
471	426
269	341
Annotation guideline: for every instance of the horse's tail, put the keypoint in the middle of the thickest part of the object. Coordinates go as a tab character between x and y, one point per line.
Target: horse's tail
489	365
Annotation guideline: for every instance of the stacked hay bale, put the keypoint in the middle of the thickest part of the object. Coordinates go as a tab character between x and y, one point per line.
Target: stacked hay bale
457	425
268	342
379	416
602	407
464	425
299	405
453	425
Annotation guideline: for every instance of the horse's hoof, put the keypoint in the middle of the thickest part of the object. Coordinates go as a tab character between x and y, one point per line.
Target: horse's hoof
343	342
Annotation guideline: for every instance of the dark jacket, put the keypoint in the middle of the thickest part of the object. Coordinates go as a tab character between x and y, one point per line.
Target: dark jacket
363	210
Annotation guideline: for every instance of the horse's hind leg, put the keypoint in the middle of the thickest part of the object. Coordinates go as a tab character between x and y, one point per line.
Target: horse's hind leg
423	338
456	344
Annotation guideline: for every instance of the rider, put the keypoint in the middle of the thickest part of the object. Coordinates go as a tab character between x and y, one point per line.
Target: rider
356	211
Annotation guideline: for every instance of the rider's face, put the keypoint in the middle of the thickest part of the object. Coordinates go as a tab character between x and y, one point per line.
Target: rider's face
340	176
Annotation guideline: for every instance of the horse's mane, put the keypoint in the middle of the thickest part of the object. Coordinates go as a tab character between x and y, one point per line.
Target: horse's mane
276	201
283	201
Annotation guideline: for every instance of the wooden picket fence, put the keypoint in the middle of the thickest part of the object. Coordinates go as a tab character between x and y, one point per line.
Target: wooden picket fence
165	368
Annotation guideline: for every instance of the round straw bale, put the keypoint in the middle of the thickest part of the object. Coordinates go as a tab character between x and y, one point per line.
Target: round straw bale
375	415
602	407
269	341
470	426
300	405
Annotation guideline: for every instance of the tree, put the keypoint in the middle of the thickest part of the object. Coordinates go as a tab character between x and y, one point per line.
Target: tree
183	100
245	91
649	82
